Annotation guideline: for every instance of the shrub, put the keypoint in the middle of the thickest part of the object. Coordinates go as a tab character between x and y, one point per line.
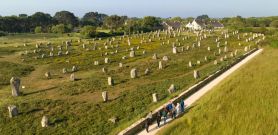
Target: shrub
88	31
38	29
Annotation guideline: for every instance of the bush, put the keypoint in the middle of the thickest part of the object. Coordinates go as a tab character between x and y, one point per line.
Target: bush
274	24
38	29
60	28
88	31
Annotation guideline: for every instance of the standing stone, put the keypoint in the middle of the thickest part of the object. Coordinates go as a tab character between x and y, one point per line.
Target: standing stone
155	56
15	85
189	64
120	65
208	48
147	71
132	54
47	75
160	66
12	111
172	89
206	58
110	81
215	62
175	50
106	60
72	77
96	63
133	73
196	74
64	71
154	97
245	48
198	62
104	70
44	121
165	58
74	69
104	96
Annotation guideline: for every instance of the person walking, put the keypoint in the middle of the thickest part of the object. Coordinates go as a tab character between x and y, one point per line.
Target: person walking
173	111
148	121
158	118
182	105
178	111
147	125
164	114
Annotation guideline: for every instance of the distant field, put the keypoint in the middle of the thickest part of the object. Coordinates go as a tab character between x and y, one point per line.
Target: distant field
245	103
77	107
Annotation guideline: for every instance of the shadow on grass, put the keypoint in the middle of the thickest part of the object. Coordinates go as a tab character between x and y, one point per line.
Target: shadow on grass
39	91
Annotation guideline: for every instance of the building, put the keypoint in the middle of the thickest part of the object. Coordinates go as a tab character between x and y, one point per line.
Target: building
199	25
171	25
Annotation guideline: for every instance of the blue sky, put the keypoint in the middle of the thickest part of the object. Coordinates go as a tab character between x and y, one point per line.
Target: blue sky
139	8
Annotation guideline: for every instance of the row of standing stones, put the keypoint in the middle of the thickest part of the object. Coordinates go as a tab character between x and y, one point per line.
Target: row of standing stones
13	110
15	82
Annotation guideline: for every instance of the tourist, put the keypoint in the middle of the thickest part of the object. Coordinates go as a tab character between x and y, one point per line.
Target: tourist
178	109
147	125
182	105
148	121
173	111
158	118
164	114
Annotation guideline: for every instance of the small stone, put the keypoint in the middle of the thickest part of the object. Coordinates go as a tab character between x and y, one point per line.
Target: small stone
165	58
12	111
72	77
47	75
196	74
155	56
147	71
172	89
104	96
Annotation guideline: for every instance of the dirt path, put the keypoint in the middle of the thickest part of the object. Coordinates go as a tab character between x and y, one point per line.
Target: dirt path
193	98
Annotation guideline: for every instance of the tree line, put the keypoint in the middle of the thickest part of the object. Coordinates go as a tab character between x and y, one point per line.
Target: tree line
65	21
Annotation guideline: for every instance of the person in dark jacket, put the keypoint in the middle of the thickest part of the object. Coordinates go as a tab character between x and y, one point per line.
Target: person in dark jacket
158	118
182	105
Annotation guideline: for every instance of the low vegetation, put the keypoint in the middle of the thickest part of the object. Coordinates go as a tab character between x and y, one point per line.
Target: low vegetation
244	103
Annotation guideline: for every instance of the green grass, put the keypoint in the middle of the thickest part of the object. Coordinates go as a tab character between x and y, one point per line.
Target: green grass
77	107
9	70
244	103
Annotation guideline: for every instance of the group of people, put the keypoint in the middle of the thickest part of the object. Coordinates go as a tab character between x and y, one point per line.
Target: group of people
169	111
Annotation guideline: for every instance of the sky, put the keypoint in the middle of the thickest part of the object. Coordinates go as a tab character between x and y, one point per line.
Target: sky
140	8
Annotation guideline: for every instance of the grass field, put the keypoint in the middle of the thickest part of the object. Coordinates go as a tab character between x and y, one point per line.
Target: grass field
77	107
243	104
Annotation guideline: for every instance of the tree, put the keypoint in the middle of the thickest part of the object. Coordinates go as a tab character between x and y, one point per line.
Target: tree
93	18
40	19
151	23
88	31
66	18
274	24
114	22
60	28
38	29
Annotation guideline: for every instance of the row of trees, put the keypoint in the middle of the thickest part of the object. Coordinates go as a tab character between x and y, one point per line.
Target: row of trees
65	21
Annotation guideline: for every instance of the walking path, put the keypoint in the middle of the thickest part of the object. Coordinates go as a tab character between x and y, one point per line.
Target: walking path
193	98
